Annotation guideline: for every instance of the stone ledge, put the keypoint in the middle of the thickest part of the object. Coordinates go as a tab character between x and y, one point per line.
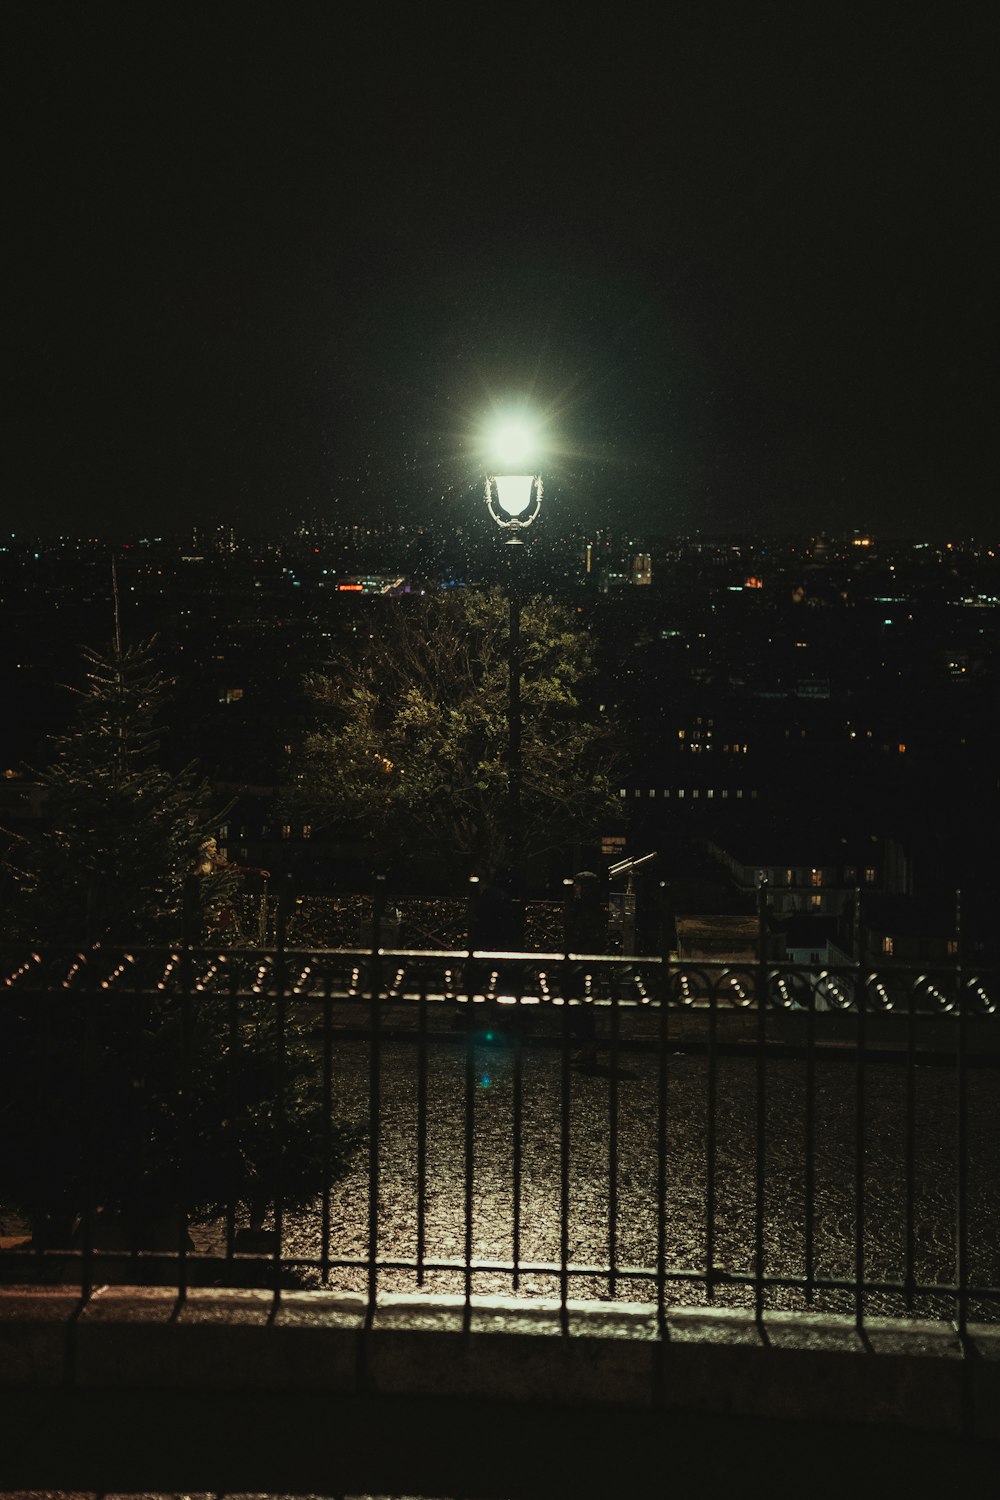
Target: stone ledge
791	1366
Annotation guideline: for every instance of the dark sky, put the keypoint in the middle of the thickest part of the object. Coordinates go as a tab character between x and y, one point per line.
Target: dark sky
273	261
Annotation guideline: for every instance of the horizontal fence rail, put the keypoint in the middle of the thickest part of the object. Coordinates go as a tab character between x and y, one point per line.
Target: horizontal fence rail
543	1123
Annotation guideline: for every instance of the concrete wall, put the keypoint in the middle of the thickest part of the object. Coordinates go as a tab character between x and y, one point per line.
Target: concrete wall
232	1390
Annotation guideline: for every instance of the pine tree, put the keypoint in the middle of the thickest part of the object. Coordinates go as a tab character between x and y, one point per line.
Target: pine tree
141	1104
122	833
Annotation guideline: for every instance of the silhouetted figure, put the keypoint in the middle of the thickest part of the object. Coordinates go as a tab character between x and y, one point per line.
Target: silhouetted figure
587	931
496	925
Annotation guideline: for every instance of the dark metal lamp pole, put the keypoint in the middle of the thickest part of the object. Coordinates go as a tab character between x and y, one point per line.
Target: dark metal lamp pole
514	501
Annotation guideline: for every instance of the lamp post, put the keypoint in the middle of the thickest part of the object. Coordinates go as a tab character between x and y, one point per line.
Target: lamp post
514	500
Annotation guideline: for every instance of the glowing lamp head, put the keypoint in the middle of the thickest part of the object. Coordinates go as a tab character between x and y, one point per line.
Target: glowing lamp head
513	488
514	492
513	444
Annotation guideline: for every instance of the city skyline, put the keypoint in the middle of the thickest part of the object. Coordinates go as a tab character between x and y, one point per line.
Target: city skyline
269	265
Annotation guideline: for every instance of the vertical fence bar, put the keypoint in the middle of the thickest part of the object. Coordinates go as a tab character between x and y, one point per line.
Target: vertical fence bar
470	1145
568	986
710	1142
962	1135
473	985
909	1147
518	1084
859	1158
186	1140
281	978
613	1140
232	1112
325	1225
564	1123
422	1133
810	1146
88	1063
761	1166
280	1116
186	1143
374	1088
662	1102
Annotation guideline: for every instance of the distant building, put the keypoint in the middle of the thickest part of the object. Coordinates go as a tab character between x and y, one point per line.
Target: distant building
813	942
907	929
642	568
802	876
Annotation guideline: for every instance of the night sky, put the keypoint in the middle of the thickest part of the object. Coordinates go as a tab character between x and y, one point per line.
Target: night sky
274	262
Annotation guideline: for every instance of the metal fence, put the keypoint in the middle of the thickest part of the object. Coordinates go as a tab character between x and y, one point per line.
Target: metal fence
543	1124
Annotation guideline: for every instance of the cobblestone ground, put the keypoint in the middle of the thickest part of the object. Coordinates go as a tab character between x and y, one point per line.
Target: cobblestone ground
592	1097
634	1092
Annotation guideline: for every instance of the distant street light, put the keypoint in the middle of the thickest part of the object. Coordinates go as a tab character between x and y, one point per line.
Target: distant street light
514	499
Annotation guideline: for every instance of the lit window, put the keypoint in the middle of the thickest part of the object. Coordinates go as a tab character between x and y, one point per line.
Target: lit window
739	792
652	791
887	946
870	876
680	791
623	792
789	877
952	947
817	877
710	792
286	830
681	733
902	749
725	792
306	830
695	792
816	902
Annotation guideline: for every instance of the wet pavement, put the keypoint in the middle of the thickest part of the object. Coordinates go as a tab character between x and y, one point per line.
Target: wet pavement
599	1232
613	1181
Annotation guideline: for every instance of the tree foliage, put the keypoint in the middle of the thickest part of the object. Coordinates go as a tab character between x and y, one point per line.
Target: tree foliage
121	833
413	738
142	1104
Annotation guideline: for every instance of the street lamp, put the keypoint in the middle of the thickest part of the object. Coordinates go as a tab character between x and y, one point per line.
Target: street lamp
514	499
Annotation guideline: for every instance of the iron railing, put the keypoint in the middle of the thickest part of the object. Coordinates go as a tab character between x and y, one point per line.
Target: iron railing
532	1123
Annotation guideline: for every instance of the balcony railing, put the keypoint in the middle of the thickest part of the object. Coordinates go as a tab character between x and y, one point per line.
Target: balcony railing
372	1120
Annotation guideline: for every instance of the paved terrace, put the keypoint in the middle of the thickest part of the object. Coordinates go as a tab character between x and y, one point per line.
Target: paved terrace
391	1355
